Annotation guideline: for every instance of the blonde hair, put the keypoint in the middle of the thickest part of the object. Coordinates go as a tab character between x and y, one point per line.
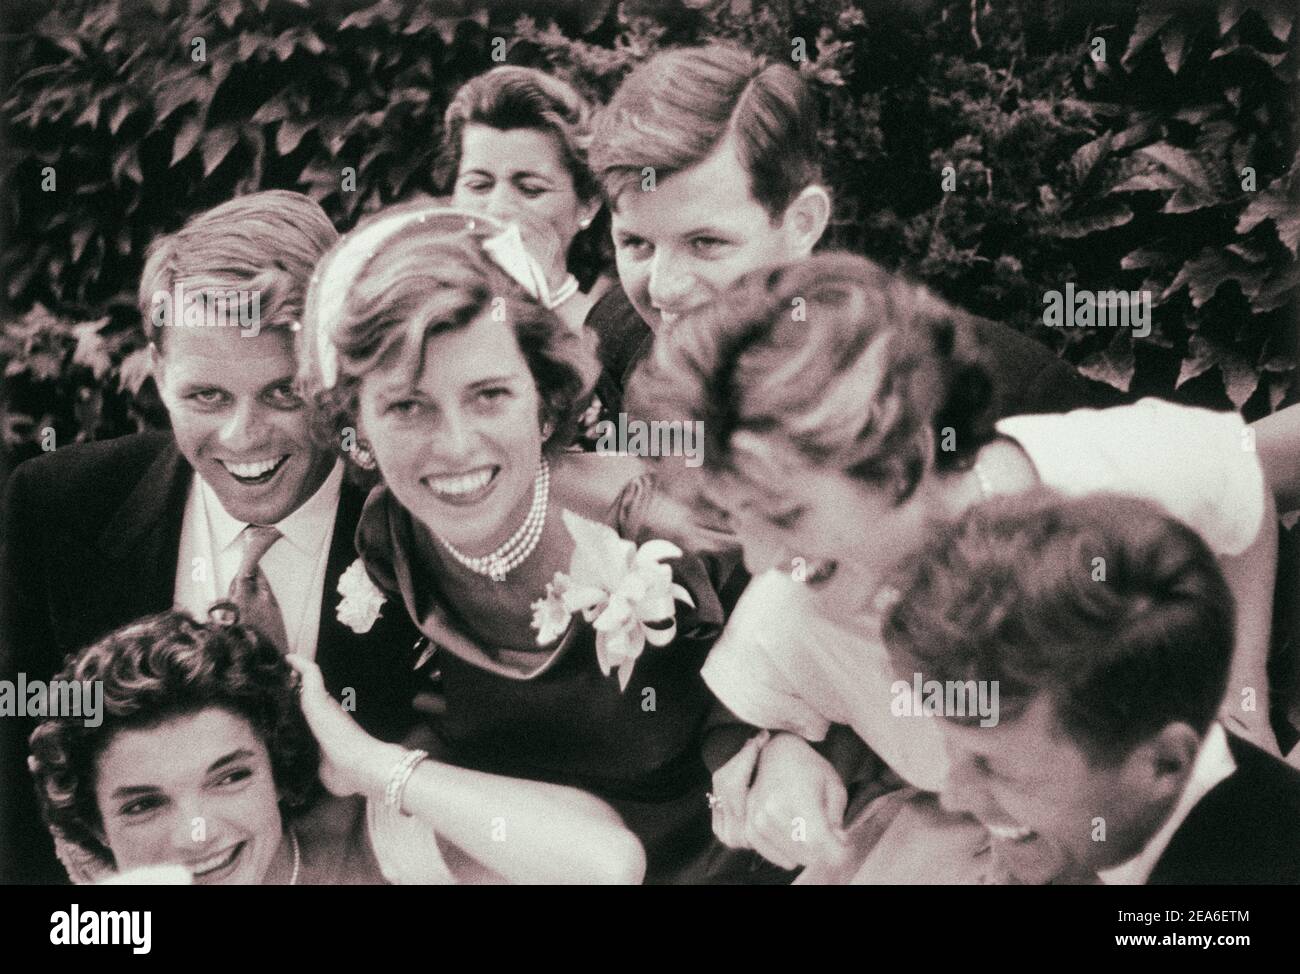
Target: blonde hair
413	272
266	243
853	368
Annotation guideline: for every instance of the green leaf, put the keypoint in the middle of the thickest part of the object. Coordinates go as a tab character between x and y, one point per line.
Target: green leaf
1148	25
1211	269
134	371
187	138
290	134
1087	157
1114	365
175	92
1173	42
1201	357
1230	12
1180	162
1145	257
228	11
217	145
80	237
1273	205
92	350
1189	199
1109	215
124	106
1239	379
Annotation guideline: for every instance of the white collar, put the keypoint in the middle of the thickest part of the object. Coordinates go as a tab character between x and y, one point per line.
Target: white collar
303	527
1213	764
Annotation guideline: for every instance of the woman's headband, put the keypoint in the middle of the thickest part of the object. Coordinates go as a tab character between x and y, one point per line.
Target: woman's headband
338	272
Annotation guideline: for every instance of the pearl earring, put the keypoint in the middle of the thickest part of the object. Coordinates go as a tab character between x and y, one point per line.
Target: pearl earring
363	456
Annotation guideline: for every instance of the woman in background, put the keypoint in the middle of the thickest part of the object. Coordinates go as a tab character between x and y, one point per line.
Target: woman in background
515	140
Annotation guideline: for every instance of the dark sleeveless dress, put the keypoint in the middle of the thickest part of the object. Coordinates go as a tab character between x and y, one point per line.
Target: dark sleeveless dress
565	722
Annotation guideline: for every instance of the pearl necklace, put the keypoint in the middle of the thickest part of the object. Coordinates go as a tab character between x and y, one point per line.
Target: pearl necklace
297	857
497	564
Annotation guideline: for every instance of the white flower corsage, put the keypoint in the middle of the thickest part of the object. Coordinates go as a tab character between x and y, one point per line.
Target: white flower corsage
362	600
626	592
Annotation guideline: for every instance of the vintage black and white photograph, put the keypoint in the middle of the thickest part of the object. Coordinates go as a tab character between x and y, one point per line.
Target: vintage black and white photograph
672	442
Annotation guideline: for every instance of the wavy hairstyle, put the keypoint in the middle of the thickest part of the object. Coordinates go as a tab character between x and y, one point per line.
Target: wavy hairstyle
266	242
677	108
161	667
514	97
853	368
429	275
1107	603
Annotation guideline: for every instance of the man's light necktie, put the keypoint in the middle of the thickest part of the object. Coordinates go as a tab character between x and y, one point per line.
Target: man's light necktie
251	591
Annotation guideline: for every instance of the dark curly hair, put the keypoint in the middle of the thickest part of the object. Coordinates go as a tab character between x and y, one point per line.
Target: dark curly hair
1107	603
429	277
161	667
854	368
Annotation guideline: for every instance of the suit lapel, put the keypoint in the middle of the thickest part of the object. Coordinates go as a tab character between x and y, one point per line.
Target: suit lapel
376	665
332	636
143	537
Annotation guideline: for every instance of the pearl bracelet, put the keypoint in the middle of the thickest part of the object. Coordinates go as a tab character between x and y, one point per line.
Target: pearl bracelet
398	777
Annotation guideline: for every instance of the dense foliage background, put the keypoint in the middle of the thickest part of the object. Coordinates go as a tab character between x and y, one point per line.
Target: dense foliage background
1109	144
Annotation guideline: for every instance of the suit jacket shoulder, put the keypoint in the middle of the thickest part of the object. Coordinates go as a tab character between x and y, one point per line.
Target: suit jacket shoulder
1027	376
86	484
623	340
1246	830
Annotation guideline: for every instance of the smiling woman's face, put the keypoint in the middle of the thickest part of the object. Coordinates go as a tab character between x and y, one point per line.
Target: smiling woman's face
459	449
831	531
195	790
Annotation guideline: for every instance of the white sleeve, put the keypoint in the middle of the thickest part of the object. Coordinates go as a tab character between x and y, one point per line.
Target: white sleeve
405	847
1197	464
749	667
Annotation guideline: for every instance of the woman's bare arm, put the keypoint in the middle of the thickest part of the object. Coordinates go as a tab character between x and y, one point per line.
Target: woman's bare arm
523	831
1277	440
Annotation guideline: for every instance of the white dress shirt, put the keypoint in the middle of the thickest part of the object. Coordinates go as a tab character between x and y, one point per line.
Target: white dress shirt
1213	764
294	566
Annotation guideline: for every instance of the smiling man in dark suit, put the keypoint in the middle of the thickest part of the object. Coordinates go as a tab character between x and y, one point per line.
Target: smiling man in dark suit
97	535
1106	627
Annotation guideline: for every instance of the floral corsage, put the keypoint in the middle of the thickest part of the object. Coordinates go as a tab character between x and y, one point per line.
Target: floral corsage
626	592
362	600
